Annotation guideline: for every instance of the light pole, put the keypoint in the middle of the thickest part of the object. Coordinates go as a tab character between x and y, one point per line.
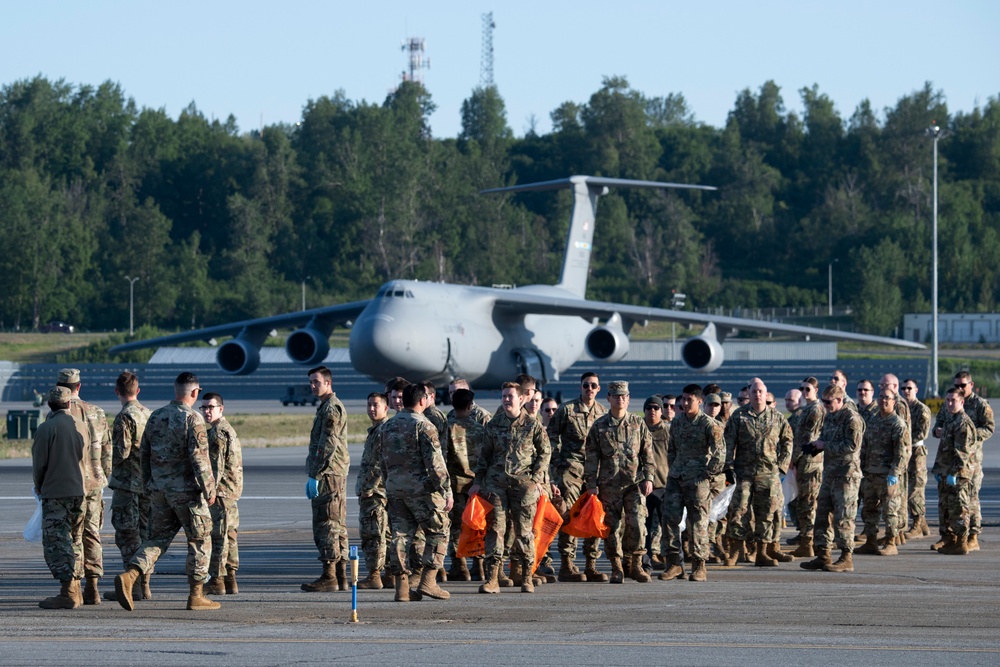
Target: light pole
131	304
304	291
829	288
676	302
934	131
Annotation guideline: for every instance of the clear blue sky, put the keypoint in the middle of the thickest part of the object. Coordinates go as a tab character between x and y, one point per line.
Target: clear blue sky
264	60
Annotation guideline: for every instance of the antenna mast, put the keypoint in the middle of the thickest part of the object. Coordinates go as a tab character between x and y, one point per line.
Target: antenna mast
415	46
486	58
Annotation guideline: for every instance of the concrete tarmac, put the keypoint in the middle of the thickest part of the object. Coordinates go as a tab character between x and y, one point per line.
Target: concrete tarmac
917	608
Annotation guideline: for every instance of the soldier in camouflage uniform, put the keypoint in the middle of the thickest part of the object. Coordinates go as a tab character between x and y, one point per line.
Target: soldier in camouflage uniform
567	432
466	424
370	489
619	468
916	473
659	431
954	469
513	458
866	404
326	467
418	492
177	475
982	416
94	481
758	452
840	442
226	453
897	502
696	451
129	500
883	450
808	464
57	461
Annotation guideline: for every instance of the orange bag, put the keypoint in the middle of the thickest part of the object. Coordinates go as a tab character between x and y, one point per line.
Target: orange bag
475	513
546	525
586	518
472	539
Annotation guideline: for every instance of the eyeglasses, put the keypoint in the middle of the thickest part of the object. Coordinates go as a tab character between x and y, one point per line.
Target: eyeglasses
206	408
669	406
590	385
887	398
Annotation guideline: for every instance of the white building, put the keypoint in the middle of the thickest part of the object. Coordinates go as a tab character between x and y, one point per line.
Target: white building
953	327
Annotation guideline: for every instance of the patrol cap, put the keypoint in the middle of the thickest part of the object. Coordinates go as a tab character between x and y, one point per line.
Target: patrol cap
654	401
60	395
726	397
713	399
69	376
618	388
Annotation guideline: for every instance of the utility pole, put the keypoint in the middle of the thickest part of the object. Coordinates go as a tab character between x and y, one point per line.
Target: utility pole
131	304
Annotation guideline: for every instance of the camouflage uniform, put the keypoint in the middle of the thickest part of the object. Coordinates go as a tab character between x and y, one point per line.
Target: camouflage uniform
619	458
868	412
956	456
328	462
883	449
129	500
654	503
372	514
567	432
696	451
177	475
513	457
897	503
808	467
461	457
417	488
837	503
227	465
57	459
916	474
982	417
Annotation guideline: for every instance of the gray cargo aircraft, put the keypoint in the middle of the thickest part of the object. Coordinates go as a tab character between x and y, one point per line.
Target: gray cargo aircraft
439	331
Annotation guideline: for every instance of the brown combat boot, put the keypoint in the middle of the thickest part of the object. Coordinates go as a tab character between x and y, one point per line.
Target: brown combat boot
144	586
617	574
66	598
870	547
402	588
197	600
123	587
528	583
569	572
90	593
734	549
657	562
794	540
215	586
477	569
516	572
428	584
888	550
327	582
775	552
341	570
502	578
230	582
973	542
958	546
638	571
492	583
821	560
843	564
698	572
749	551
763	559
459	571
805	548
590	571
373	582
945	541
675	570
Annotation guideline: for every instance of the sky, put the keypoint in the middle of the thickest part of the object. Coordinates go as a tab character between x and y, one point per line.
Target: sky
263	61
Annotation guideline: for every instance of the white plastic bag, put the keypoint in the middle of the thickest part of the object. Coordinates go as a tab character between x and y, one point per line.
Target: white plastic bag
33	530
790	486
720	506
683	524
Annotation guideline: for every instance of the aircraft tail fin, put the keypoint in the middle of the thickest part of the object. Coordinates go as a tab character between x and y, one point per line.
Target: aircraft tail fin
579	243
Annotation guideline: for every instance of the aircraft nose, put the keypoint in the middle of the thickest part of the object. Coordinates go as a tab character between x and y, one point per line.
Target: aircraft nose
382	346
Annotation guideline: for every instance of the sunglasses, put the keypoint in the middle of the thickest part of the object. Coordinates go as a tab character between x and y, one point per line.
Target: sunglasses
908	388
827	401
552	410
963	385
864	390
590	385
806	388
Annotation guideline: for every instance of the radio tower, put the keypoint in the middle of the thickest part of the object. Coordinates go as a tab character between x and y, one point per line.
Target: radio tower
486	59
415	45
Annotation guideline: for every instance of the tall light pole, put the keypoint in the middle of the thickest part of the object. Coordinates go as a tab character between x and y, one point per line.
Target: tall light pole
829	288
304	291
935	132
676	302
131	304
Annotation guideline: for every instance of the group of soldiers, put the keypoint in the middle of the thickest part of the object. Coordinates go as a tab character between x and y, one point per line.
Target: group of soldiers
169	469
660	479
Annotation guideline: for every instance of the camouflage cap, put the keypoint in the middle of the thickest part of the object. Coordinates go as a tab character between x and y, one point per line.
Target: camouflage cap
713	399
726	397
618	388
69	376
60	395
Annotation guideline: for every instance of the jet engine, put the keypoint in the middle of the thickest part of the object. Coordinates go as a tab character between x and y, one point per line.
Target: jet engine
308	346
238	356
703	353
608	342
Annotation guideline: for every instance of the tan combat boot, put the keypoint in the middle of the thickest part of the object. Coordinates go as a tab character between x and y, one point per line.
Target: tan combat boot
477	569
617	574
945	541
459	571
805	548
517	572
843	564
889	549
215	586
90	593
870	547
763	559
973	542
569	572
196	598
373	582
698	572
428	584
327	582
123	587
638	571
734	549
341	570
230	581
749	551
959	546
916	531
591	571
775	552
402	588
528	581
502	578
657	562
66	598
675	570
492	583
821	560
144	586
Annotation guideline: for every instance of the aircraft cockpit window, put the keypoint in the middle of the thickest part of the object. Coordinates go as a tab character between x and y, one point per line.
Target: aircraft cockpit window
409	294
398	292
381	293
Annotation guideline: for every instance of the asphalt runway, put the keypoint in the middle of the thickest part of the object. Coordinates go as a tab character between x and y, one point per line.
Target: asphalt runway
914	609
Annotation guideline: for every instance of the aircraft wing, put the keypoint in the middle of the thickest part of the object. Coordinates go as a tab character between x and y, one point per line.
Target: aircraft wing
540	304
328	315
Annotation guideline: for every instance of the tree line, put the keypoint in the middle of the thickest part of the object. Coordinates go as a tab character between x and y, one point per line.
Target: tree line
220	225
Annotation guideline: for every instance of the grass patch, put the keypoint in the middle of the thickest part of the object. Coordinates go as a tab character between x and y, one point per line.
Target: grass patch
39	348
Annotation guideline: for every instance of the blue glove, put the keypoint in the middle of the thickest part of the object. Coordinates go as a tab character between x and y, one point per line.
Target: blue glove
893	480
312	488
950	480
937	476
782	477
